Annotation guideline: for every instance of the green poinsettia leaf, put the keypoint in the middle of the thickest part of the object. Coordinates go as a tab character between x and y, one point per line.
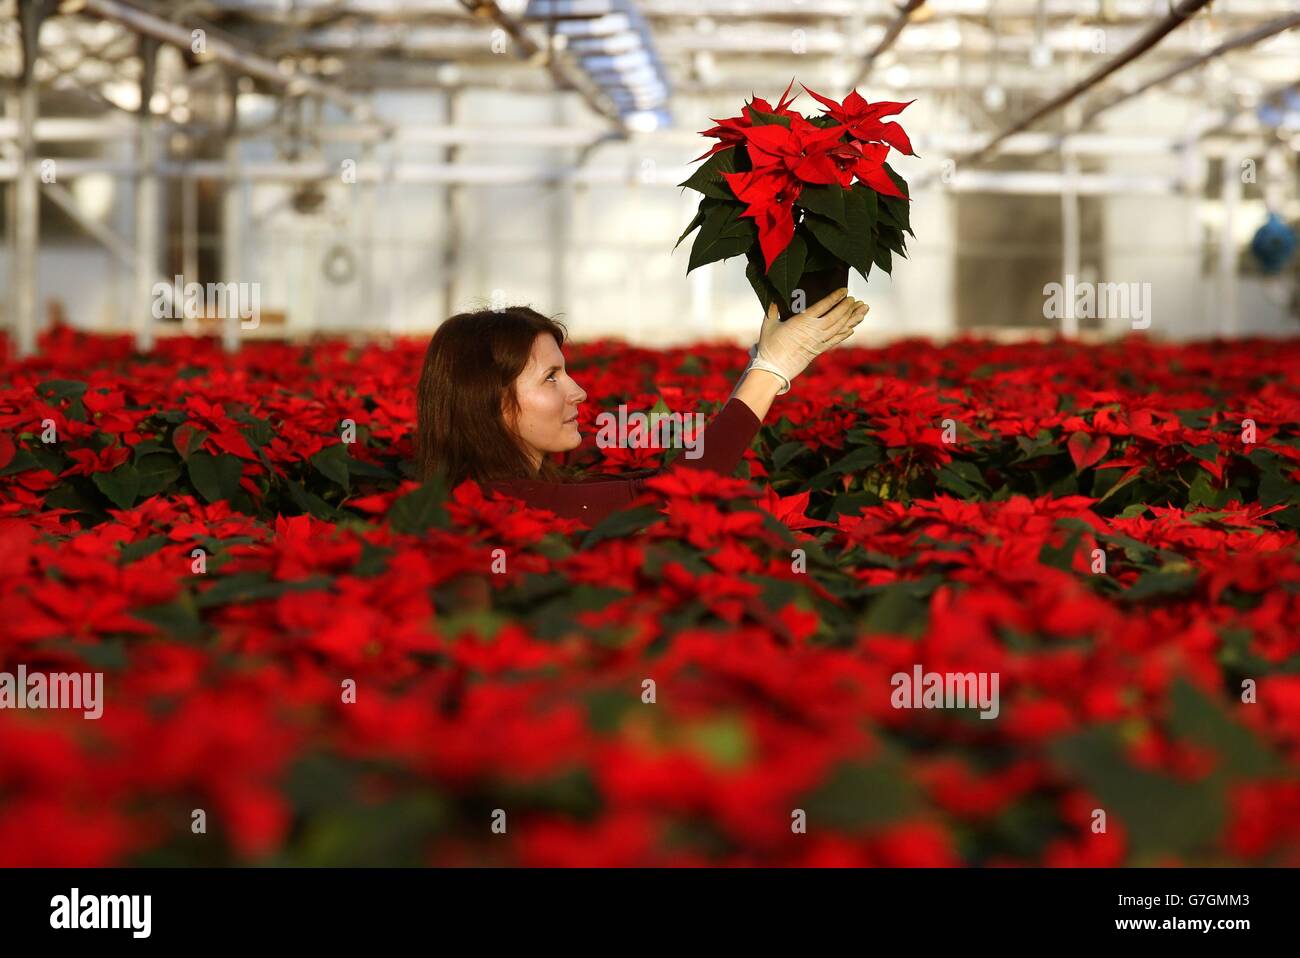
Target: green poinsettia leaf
759	118
157	472
695	222
787	268
215	477
763	288
421	509
723	234
855	243
883	259
891	238
121	486
827	201
708	178
332	463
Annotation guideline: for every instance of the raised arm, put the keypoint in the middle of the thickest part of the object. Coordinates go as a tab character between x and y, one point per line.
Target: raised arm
782	352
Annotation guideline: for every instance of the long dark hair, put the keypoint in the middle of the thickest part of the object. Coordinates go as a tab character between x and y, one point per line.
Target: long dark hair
472	363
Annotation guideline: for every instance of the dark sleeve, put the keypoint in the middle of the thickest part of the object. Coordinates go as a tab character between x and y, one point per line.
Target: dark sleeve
724	441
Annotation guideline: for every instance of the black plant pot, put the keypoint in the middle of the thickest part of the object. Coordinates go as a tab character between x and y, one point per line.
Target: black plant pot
817	285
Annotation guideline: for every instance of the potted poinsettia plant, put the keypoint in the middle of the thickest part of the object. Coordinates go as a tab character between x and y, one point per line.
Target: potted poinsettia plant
804	199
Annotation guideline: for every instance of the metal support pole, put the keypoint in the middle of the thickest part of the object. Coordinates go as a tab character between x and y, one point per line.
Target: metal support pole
367	200
1069	242
146	202
11	228
27	197
1070	259
190	228
562	198
454	196
1192	187
394	298
1227	246
231	213
27	225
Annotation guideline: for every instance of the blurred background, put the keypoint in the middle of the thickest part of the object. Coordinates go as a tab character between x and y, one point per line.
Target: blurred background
372	166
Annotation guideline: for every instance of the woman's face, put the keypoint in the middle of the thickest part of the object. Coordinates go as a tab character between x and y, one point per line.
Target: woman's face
548	402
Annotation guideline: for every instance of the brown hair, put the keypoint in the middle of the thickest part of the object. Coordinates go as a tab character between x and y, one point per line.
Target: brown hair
470	366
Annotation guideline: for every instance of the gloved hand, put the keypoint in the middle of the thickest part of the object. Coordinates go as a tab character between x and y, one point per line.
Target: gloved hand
786	348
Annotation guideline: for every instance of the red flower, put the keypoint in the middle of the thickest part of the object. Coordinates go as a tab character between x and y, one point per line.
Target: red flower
790	509
862	119
732	130
89	462
622	839
40	831
866	161
803	149
524	687
916	844
770	196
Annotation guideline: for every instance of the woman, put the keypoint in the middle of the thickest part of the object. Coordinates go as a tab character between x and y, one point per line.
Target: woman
494	401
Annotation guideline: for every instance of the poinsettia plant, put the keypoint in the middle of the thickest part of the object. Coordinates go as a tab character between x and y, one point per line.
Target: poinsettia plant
1103	529
802	198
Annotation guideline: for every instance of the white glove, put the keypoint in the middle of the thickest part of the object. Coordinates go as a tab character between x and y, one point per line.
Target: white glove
786	348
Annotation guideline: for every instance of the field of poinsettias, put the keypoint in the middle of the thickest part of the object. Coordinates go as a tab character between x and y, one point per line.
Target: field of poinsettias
337	665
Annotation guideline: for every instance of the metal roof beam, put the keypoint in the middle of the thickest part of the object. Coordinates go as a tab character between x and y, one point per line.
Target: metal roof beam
891	34
1178	15
526	49
223	50
1248	39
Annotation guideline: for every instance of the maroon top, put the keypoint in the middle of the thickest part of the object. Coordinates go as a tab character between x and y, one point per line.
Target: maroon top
724	442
